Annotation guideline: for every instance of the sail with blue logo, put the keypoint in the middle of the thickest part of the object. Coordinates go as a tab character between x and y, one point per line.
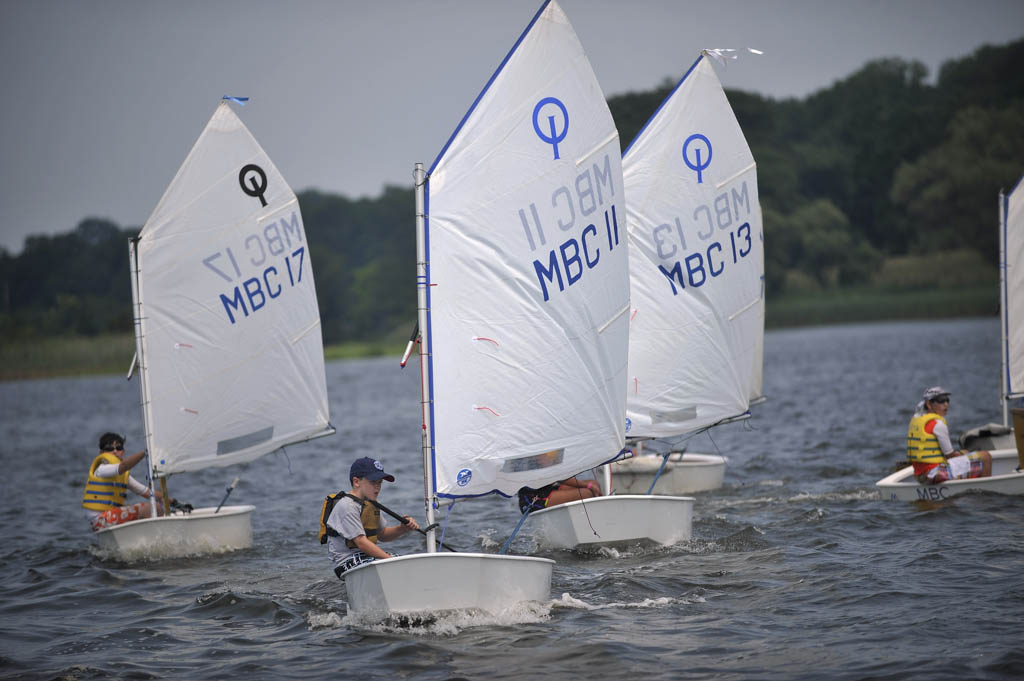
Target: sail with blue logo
527	276
696	337
227	322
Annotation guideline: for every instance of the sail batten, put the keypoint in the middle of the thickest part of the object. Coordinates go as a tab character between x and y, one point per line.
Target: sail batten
696	264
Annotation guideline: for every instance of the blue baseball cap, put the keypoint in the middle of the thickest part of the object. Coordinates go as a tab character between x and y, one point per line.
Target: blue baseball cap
369	469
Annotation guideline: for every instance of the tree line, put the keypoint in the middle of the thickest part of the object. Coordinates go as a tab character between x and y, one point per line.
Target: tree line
881	164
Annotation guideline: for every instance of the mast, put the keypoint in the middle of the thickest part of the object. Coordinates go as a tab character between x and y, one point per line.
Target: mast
133	258
1004	375
422	282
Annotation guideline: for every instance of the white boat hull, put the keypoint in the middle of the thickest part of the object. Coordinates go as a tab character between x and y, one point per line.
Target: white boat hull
684	473
199	532
1005	479
438	582
614	520
989	437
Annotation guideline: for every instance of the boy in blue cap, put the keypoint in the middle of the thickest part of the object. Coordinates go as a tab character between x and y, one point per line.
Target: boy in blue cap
354	526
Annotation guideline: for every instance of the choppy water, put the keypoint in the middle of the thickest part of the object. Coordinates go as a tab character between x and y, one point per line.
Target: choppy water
797	569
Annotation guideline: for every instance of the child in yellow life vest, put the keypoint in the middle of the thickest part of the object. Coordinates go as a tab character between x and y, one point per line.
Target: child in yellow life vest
930	450
354	526
109	482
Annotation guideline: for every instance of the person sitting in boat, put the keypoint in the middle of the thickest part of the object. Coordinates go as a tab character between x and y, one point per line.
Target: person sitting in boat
556	493
354	526
109	481
930	450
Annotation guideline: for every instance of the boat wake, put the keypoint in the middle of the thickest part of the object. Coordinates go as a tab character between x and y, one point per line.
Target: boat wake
155	551
441	623
853	495
569	601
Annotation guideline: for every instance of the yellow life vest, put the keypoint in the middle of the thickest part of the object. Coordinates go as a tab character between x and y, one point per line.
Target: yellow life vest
370	518
922	446
102	494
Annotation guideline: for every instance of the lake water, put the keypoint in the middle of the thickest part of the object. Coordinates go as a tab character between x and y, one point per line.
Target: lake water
797	569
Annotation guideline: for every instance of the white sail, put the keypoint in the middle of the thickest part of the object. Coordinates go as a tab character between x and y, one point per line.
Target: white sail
528	284
232	352
696	264
1013	289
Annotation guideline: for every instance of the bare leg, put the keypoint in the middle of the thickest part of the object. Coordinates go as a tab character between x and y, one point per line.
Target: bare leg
567	494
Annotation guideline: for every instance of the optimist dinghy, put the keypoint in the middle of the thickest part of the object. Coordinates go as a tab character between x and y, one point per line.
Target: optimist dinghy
227	334
1007	478
1005	444
696	338
523	300
1011	279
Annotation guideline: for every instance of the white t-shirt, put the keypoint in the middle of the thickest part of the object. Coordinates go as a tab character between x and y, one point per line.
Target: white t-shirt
109	470
941	433
345	519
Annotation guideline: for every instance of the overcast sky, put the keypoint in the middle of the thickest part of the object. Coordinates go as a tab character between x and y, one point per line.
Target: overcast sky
102	99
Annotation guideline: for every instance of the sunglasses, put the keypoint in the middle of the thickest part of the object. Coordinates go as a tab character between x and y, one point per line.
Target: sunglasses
119	447
941	400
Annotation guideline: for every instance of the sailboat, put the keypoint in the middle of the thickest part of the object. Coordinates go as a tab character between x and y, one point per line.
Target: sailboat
696	339
1005	444
696	336
227	331
1011	279
523	300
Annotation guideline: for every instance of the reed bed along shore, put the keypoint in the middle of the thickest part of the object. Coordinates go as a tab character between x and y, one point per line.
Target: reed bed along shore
49	357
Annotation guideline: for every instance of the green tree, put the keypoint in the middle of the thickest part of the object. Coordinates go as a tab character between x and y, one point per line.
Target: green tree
948	195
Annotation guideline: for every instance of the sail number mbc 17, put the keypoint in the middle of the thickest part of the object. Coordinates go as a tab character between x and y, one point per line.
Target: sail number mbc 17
259	267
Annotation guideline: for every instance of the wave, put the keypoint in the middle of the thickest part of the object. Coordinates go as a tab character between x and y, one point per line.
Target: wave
569	601
441	623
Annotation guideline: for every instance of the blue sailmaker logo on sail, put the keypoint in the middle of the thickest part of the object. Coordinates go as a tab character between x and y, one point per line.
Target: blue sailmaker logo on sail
693	149
550	134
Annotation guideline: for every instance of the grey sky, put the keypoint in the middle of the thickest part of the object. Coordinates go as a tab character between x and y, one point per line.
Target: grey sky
103	99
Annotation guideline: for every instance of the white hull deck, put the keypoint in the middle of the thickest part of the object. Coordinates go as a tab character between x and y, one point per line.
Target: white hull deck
684	473
990	437
902	486
616	520
427	583
199	532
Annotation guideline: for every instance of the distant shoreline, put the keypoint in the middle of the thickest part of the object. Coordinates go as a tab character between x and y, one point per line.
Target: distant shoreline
111	354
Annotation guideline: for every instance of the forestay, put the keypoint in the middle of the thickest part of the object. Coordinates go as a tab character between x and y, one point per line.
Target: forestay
1013	289
230	331
696	264
528	285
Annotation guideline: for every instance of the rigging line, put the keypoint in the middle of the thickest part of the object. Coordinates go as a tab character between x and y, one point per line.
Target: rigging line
426	177
446	516
287	459
508	542
583	504
714	444
664	462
